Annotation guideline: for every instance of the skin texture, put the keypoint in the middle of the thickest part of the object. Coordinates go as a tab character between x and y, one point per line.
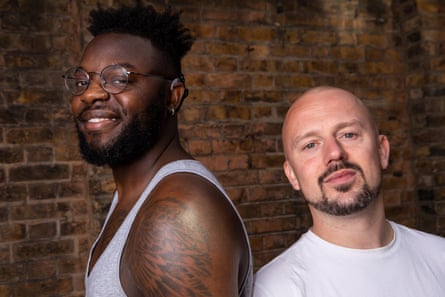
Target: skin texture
186	239
335	157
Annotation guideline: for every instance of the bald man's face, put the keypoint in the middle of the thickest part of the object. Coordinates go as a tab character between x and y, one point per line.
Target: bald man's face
334	155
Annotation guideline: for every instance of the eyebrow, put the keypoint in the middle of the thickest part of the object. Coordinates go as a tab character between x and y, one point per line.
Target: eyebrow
126	65
339	126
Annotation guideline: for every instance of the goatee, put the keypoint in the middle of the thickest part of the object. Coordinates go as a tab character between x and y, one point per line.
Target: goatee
363	198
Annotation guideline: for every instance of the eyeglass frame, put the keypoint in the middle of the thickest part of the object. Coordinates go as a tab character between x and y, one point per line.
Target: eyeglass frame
125	71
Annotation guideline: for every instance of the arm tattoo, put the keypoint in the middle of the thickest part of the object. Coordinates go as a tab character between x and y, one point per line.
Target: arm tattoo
169	251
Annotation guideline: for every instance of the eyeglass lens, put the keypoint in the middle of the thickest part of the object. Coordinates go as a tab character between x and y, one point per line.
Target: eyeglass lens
113	78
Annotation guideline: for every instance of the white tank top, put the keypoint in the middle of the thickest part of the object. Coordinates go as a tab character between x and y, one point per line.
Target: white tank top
103	280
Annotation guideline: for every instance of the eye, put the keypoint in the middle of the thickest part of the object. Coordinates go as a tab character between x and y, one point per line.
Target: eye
349	135
309	146
117	80
81	83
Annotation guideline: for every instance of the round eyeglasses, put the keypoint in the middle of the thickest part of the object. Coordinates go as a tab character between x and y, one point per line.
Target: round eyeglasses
113	79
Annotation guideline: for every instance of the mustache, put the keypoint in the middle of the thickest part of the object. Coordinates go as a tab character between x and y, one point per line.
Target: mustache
100	106
338	166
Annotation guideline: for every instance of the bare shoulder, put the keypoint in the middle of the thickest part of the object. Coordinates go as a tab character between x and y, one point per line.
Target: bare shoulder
186	240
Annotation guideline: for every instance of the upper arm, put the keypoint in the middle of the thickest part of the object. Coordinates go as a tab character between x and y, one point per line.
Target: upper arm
184	242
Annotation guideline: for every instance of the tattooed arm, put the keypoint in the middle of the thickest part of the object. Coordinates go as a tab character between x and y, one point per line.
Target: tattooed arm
186	241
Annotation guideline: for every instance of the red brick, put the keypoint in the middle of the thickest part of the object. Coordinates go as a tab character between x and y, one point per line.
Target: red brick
42	230
12	232
39	172
43	249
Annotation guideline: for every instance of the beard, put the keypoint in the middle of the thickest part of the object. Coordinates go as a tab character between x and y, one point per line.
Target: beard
363	198
136	138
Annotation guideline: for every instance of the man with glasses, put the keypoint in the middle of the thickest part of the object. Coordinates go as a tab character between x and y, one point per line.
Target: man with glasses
171	230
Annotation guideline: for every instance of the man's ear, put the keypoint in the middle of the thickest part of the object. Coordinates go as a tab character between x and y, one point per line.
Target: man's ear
384	150
178	92
291	175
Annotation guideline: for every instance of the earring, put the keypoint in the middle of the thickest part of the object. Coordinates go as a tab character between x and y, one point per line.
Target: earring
172	110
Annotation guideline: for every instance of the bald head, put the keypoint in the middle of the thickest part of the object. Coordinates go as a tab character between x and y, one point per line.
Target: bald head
317	106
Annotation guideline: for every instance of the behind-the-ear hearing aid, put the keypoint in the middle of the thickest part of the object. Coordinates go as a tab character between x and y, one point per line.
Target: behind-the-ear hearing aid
174	82
181	80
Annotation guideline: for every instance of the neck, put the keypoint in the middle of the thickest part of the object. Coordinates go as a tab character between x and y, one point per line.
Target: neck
131	179
364	230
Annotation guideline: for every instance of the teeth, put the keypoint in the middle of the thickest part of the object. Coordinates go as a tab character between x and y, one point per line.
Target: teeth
98	120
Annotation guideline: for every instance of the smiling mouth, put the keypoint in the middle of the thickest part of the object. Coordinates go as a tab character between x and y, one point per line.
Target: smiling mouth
98	119
98	123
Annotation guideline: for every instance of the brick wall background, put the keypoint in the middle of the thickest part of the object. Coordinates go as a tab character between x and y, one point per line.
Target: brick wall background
250	60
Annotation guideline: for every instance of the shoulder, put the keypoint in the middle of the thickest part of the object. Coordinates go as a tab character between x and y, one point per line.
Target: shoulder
278	279
191	195
186	235
188	204
284	275
417	236
424	245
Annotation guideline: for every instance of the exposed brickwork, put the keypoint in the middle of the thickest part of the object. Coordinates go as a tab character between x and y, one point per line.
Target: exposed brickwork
45	213
250	60
427	94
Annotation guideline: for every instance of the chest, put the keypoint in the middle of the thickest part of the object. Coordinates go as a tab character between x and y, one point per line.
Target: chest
112	225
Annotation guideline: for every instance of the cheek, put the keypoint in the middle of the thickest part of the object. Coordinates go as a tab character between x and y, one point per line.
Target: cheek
141	99
307	173
374	173
75	106
372	169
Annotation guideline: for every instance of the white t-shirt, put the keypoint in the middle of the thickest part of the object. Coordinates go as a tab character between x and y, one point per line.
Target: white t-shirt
412	265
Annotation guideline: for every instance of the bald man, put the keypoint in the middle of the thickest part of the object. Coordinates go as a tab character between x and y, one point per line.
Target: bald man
335	157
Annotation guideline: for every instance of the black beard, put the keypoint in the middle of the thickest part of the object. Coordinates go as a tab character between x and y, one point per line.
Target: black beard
362	200
135	139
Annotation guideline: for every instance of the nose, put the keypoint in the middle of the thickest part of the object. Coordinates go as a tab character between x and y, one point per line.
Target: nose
333	151
94	92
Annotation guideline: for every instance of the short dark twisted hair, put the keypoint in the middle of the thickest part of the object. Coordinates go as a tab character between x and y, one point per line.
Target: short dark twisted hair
164	30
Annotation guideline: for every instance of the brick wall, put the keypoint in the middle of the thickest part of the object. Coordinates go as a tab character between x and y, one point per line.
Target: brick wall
427	106
250	60
44	210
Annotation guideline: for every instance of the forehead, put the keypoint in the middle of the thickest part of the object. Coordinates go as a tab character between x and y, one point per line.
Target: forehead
115	48
325	109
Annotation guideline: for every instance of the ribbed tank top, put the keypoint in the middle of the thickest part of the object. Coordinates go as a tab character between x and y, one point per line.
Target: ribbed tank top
103	279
